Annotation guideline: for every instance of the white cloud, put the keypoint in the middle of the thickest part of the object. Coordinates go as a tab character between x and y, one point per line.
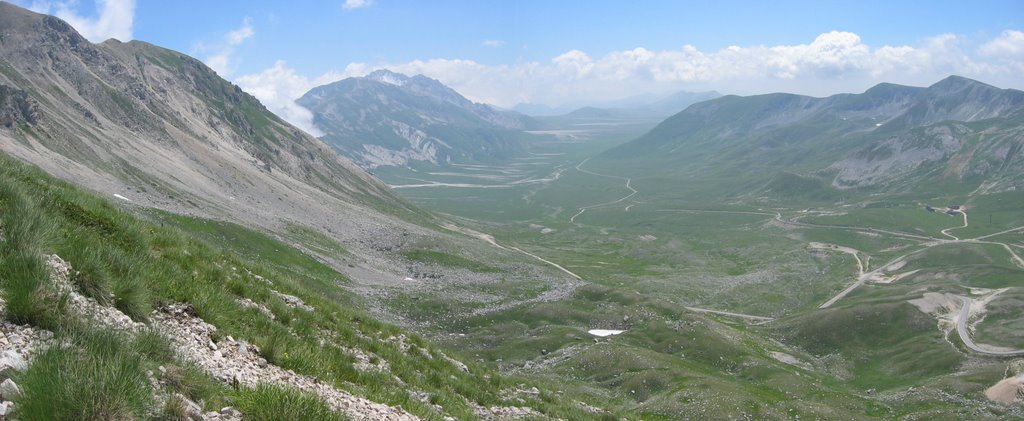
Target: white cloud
833	62
114	18
279	86
1009	44
356	4
493	43
239	35
574	64
219	56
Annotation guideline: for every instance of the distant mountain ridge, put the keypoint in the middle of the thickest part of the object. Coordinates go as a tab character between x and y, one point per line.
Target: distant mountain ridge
644	106
388	118
889	137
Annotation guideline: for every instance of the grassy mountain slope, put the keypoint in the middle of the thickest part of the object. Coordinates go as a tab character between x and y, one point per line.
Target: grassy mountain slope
957	132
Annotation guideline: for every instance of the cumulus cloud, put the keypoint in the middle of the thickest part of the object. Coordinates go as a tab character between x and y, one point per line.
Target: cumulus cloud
220	55
113	19
493	43
830	63
279	86
1009	44
356	4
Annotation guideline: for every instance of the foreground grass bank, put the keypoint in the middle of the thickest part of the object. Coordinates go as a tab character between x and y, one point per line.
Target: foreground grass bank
137	265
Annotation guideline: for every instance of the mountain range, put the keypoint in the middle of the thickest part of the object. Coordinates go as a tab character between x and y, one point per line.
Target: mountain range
644	106
955	133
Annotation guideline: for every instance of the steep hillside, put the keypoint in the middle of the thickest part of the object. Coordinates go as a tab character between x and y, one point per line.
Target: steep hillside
388	118
957	132
159	129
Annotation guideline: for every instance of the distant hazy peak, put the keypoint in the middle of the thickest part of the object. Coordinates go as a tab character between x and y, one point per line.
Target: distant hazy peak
389	77
953	83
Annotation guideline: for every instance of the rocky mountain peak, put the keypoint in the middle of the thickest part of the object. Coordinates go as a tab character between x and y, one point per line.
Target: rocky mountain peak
388	77
957	83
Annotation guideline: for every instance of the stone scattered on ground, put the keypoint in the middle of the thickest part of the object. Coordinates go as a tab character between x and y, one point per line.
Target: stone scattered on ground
60	276
248	303
17	345
9	391
458	364
293	301
505	412
365	361
238	363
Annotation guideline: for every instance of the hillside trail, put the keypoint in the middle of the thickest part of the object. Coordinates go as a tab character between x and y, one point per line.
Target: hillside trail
632	191
490	240
946	231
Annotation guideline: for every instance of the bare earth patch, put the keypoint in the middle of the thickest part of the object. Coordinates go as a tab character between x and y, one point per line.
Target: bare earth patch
1008	390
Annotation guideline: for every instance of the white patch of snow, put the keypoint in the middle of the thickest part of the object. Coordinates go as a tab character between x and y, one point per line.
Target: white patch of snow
604	332
122	197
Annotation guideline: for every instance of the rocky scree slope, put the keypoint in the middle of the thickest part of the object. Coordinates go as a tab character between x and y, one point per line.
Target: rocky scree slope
163	130
390	119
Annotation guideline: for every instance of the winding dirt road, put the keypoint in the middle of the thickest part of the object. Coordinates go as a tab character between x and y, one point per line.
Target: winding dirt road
961	329
946	231
632	191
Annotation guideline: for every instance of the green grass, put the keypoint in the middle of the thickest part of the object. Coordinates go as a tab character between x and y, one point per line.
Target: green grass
23	272
316	240
273	403
97	375
449	260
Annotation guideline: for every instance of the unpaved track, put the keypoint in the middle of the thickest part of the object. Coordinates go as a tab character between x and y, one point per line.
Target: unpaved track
861	278
961	329
490	239
946	231
864	277
632	191
730	314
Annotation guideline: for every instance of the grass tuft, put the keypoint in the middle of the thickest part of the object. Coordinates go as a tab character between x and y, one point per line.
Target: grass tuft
99	375
274	403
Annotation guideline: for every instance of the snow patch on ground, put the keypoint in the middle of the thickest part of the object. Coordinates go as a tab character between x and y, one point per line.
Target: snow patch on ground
787	359
604	332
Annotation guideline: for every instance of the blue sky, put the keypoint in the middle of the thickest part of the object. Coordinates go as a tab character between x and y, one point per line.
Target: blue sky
574	52
316	37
